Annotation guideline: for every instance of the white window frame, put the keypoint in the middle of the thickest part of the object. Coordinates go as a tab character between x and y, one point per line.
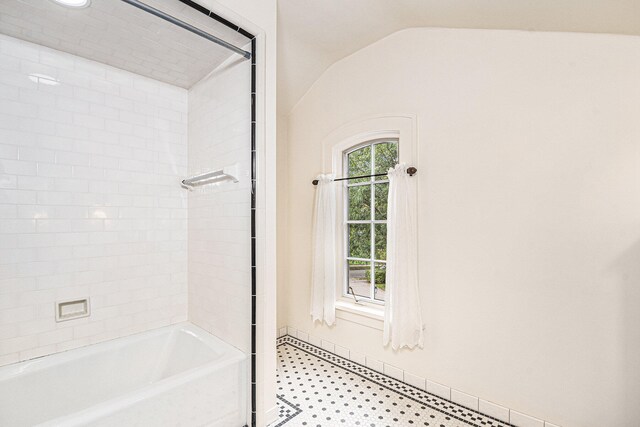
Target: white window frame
372	221
402	127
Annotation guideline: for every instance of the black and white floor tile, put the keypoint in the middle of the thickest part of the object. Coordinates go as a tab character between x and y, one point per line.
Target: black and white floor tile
320	389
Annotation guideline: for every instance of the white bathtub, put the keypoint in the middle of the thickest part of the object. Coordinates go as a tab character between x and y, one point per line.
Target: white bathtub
179	375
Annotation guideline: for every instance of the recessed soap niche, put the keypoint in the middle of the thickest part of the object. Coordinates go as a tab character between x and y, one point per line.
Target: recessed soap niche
72	309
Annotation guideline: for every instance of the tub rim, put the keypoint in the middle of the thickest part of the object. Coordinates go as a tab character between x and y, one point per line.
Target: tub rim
229	355
40	363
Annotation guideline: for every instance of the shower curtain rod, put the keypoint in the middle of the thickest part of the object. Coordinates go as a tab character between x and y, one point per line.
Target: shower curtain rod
188	27
411	171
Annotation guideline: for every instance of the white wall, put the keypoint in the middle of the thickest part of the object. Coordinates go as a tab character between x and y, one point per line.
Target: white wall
90	204
282	224
219	215
529	204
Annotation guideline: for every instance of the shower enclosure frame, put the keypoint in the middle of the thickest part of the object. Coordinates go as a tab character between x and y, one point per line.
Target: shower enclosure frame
254	161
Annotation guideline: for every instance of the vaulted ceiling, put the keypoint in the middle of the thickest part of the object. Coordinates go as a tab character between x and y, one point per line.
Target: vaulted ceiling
313	34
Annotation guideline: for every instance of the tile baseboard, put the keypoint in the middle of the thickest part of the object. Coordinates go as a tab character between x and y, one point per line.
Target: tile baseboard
475	403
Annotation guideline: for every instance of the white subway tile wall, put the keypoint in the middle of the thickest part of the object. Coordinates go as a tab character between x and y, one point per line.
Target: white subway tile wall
329	346
356	357
464	399
90	203
219	214
496	411
312	340
393	372
374	364
415	380
523	420
439	389
303	336
340	351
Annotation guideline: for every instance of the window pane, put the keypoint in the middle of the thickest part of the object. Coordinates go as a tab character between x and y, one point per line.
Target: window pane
386	154
380	204
360	278
381	280
360	164
381	241
360	241
360	202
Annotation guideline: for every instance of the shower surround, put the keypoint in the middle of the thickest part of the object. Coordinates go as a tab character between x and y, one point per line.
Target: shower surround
90	206
219	216
90	216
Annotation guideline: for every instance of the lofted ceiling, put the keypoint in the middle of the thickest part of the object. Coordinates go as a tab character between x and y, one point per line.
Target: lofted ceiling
118	34
314	34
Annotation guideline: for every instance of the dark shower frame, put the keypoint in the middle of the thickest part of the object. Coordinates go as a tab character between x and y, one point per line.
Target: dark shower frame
254	175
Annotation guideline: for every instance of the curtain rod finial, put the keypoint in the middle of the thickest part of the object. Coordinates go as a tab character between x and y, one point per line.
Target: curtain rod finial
314	182
412	171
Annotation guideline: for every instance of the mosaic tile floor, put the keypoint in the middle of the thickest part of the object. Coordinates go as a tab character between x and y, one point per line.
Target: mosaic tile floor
319	389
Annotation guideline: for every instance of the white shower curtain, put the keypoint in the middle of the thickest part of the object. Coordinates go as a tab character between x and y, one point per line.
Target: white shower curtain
324	270
402	314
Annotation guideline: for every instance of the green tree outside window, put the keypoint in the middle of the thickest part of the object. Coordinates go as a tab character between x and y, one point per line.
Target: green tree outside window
367	218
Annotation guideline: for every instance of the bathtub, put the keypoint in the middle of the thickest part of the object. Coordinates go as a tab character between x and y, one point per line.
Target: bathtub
178	375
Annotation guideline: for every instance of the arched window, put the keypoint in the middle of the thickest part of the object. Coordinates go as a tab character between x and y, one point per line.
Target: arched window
365	214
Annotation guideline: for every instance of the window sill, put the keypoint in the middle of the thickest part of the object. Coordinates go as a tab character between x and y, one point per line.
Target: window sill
363	314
